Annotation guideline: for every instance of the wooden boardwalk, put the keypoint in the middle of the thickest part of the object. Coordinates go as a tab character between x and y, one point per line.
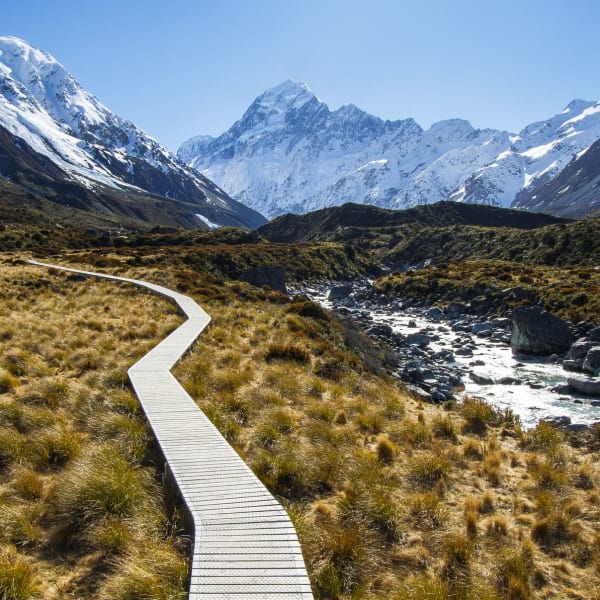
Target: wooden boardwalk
245	546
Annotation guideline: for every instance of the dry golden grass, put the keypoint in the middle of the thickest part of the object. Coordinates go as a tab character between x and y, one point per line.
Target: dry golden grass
376	483
79	503
391	498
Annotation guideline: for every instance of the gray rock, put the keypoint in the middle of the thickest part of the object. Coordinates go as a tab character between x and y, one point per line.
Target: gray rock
337	292
577	427
587	386
417	339
562	388
562	421
501	323
579	349
381	329
481	379
412	324
455	310
509	381
595	334
434	314
273	276
572	365
591	364
419	393
463	352
538	332
481	328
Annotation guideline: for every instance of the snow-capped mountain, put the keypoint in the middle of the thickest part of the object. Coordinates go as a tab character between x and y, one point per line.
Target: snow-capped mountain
45	108
291	153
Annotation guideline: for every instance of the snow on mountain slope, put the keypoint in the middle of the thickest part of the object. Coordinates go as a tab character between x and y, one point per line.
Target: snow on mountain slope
42	104
538	153
290	153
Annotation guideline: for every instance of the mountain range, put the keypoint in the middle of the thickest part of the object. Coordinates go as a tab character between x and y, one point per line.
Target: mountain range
61	143
290	153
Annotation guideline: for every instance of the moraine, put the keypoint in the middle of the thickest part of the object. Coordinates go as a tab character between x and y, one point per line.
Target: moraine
438	356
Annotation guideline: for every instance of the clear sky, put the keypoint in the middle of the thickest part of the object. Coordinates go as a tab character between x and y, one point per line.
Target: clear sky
180	68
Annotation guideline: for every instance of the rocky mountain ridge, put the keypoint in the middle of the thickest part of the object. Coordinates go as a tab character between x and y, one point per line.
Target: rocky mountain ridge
45	112
290	153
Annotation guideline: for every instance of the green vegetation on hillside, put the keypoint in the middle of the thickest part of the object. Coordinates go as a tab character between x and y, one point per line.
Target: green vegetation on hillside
497	286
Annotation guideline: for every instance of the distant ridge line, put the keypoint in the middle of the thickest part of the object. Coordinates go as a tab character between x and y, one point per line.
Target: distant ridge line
245	545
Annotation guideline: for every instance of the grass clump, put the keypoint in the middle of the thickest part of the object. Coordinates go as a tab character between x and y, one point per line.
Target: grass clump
18	579
292	352
103	484
478	415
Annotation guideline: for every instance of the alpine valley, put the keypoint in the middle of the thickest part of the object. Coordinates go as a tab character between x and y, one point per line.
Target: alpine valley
59	143
290	153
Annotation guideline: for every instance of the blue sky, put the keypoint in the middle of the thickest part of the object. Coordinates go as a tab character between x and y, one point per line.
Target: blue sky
180	68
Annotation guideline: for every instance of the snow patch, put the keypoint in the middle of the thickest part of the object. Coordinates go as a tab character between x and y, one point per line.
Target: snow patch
208	222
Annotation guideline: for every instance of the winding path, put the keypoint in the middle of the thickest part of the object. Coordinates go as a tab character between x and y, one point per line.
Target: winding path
245	546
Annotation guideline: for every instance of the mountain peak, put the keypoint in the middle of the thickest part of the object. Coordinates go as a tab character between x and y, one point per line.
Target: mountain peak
15	51
287	94
577	105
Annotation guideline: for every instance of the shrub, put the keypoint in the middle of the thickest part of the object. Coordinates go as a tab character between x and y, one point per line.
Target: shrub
556	528
514	572
56	447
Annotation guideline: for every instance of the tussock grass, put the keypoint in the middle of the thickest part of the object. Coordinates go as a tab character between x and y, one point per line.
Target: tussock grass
380	485
73	492
18	579
311	431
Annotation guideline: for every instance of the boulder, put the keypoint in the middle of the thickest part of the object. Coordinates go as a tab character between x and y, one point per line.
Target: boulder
579	349
338	292
412	324
456	309
480	379
535	331
572	365
595	334
273	276
509	381
562	421
586	386
434	314
380	330
417	339
591	364
481	328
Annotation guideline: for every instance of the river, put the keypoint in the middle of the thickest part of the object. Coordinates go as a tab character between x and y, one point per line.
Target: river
530	392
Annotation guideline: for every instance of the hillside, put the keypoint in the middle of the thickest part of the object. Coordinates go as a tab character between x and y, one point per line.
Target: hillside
352	221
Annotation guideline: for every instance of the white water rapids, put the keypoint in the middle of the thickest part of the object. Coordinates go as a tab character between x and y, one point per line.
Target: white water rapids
532	400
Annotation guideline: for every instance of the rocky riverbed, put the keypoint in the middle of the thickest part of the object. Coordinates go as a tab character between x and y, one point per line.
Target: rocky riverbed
443	355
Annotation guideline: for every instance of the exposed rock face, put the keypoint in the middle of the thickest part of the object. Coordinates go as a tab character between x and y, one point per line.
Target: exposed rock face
273	276
535	331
